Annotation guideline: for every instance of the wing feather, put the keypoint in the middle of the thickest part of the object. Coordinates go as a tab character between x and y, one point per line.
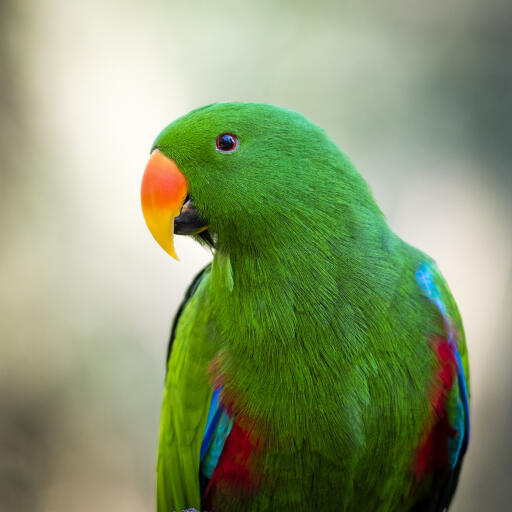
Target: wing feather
186	401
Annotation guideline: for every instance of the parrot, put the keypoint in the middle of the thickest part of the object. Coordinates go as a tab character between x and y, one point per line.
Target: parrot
318	362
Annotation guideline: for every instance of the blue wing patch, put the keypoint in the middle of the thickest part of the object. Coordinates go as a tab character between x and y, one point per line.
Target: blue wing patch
218	427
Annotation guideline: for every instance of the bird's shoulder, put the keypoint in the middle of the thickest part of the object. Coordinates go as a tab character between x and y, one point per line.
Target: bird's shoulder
200	278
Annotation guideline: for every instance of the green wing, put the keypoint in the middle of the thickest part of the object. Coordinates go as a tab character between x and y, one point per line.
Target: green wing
186	401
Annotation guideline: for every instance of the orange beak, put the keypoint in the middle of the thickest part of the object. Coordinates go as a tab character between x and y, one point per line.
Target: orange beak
162	195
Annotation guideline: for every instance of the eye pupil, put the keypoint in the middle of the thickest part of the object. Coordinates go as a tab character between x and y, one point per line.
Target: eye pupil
226	142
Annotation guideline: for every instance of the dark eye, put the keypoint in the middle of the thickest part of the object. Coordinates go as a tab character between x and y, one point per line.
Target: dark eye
226	142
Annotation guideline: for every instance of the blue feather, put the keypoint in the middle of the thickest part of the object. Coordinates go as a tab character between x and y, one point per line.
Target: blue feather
218	427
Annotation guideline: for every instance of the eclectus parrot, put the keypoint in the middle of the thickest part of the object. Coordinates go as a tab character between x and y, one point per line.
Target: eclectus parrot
319	361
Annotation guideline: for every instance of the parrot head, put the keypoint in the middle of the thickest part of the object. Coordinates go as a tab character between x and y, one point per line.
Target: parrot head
246	175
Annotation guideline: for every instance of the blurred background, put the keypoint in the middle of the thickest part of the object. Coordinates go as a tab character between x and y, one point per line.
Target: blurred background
419	94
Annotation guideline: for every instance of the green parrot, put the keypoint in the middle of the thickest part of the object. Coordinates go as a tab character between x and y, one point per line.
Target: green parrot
319	361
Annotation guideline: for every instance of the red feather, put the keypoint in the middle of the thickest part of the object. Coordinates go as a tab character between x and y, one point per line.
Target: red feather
433	451
235	471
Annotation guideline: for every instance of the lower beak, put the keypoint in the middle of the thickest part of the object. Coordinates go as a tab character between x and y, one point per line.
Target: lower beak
189	221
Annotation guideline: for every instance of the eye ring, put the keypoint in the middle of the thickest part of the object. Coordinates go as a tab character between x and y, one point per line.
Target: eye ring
226	142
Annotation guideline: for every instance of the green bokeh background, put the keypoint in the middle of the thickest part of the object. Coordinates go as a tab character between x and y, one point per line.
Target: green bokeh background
419	94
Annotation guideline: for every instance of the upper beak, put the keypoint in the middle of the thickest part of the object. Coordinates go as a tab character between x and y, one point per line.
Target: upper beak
163	194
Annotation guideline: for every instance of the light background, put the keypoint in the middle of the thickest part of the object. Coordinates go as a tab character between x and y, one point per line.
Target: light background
419	94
